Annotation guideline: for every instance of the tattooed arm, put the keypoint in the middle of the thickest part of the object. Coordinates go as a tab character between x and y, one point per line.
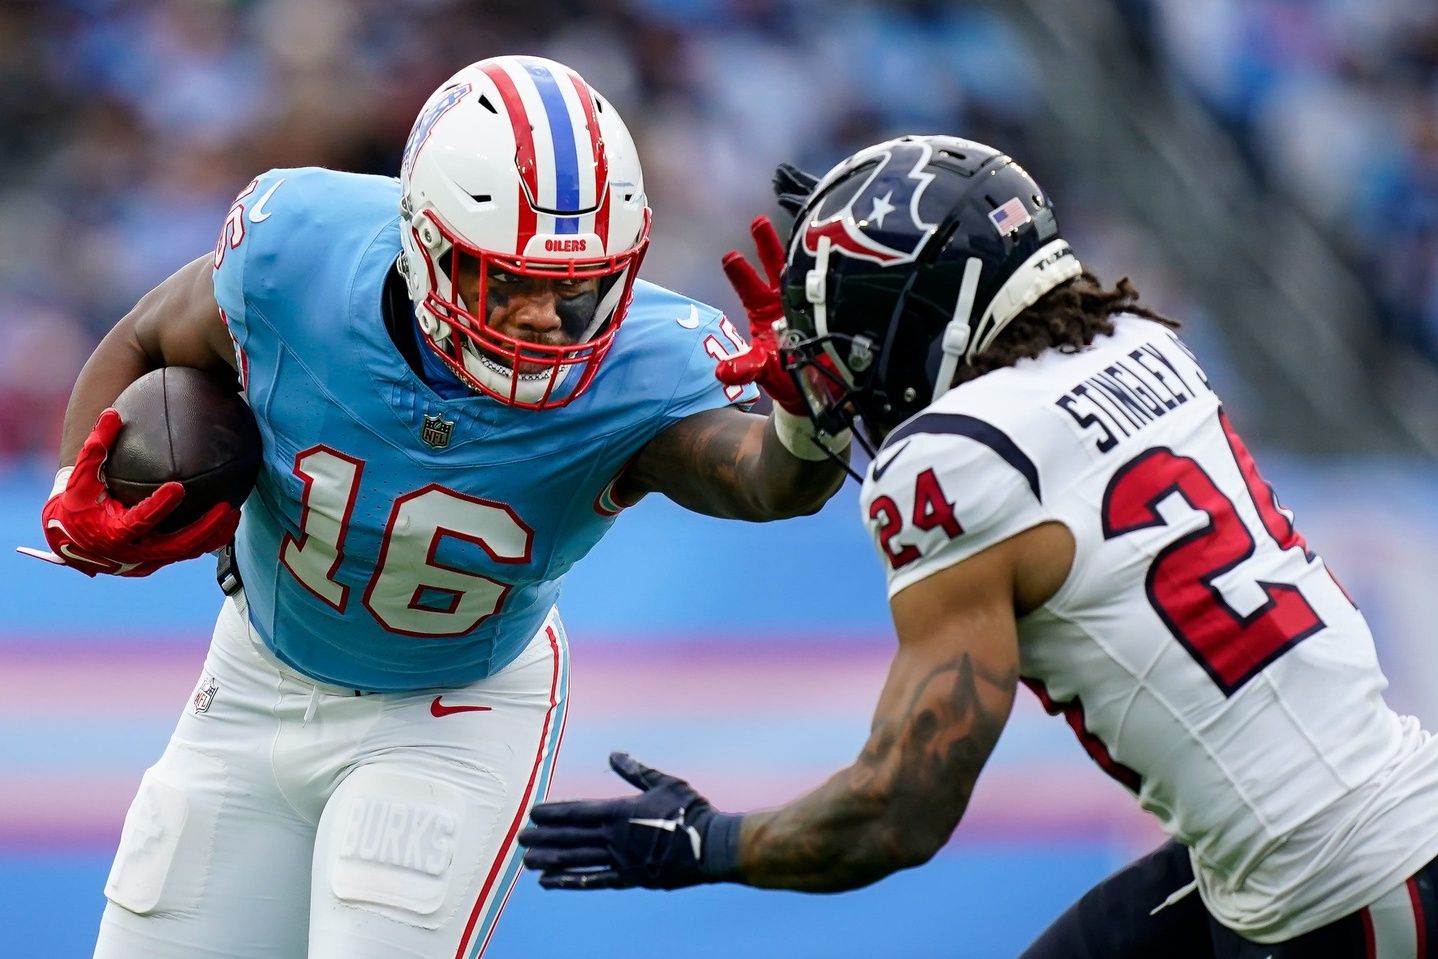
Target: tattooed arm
947	697
729	463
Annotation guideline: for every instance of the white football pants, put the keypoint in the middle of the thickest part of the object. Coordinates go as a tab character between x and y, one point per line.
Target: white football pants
290	819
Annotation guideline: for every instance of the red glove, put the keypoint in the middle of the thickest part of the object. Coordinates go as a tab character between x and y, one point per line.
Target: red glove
762	302
89	530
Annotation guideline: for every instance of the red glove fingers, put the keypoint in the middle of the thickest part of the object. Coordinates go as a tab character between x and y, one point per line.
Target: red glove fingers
144	516
762	300
764	305
93	532
86	487
86	483
205	535
771	248
761	364
742	368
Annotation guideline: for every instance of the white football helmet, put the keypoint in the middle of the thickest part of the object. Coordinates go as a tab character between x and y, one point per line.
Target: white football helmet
516	164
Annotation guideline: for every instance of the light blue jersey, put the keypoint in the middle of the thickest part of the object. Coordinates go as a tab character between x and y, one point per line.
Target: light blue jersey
397	540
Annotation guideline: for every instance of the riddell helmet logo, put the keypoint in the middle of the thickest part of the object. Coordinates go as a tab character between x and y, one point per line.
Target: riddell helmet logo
884	205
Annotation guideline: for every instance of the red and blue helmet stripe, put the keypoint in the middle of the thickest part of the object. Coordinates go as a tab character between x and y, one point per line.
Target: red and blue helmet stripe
558	149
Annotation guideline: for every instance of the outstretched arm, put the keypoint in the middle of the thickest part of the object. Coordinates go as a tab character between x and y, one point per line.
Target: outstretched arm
737	465
729	463
947	698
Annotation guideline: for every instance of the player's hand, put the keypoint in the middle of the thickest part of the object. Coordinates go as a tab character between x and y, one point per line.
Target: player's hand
91	531
793	187
762	301
667	837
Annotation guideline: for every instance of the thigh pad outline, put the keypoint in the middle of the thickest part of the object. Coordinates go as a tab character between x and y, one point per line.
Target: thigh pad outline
167	843
408	845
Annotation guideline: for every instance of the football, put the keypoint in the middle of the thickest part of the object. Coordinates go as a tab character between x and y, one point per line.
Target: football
185	425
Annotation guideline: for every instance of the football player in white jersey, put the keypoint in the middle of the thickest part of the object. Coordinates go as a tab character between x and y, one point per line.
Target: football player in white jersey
1058	499
452	416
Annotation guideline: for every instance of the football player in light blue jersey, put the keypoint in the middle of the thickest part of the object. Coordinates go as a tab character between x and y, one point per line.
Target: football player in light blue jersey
460	382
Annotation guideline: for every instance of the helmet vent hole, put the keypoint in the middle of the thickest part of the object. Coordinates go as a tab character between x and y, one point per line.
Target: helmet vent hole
481	197
484	102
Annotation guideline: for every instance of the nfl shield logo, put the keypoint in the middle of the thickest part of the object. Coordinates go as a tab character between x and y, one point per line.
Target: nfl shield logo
436	431
205	695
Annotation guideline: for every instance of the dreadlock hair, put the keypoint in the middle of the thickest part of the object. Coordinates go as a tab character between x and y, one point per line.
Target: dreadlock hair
1069	317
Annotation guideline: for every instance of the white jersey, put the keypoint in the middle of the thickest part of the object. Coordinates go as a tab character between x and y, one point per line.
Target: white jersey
1205	657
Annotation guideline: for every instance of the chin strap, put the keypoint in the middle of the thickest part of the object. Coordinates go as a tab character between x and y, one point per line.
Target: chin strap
814	286
1050	265
956	335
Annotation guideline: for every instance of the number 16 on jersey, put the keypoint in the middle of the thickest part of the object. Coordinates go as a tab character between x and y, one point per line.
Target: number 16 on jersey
410	592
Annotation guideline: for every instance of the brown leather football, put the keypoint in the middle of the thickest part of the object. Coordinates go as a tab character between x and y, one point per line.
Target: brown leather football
183	424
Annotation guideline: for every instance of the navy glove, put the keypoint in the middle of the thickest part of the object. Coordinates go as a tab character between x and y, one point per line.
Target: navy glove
792	187
667	837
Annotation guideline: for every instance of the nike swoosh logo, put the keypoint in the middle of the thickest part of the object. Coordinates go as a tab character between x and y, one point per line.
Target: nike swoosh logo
256	212
880	469
673	825
668	825
112	565
690	322
437	708
71	556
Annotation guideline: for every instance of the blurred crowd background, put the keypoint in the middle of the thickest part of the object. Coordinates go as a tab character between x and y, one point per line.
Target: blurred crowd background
1334	105
126	126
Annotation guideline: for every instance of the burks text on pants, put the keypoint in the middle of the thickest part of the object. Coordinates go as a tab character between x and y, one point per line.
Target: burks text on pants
409	836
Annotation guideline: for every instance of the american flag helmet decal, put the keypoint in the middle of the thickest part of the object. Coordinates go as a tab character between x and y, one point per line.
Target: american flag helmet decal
1009	216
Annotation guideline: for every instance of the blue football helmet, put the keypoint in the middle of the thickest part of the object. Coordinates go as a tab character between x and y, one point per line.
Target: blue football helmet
906	261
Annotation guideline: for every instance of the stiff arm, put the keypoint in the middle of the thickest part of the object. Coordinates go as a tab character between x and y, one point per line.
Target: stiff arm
729	463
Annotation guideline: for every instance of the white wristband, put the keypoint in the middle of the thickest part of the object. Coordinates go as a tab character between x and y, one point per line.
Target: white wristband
797	433
62	479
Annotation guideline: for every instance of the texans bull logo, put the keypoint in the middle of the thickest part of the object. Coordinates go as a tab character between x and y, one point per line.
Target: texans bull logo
862	223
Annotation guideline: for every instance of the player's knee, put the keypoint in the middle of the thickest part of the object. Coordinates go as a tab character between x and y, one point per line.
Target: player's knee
405	846
165	846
